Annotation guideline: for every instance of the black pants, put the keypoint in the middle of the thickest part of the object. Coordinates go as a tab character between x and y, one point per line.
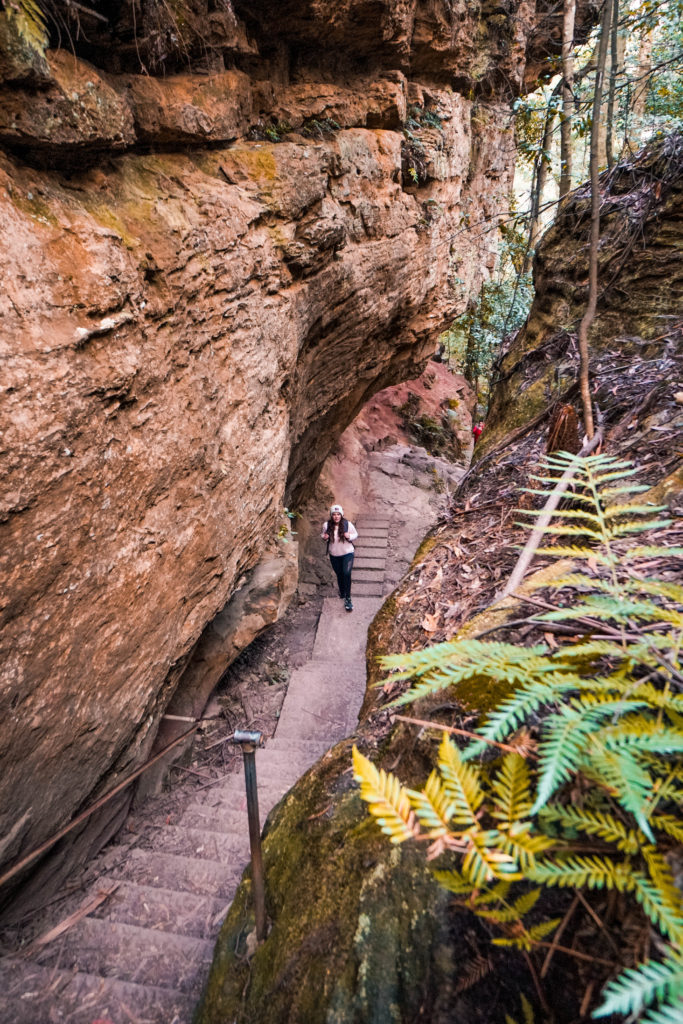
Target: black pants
342	565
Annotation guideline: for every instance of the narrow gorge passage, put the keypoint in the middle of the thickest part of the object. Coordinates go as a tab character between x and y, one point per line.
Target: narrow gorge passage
145	951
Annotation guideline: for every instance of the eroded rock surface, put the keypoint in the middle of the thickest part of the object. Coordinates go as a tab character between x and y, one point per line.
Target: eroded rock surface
186	331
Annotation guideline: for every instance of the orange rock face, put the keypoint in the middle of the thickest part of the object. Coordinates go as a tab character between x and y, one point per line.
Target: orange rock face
185	334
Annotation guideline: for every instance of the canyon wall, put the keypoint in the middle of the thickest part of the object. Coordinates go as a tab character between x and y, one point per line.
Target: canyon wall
222	229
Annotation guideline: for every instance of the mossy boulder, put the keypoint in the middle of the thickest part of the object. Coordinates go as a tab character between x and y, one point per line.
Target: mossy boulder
360	929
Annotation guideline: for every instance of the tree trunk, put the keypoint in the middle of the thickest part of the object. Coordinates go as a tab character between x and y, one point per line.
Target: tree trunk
591	306
639	96
568	17
613	71
540	178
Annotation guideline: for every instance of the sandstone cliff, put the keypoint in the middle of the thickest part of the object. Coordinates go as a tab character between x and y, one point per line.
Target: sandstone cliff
222	229
362	921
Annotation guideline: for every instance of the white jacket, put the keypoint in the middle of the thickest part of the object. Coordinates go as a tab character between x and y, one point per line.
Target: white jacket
340	546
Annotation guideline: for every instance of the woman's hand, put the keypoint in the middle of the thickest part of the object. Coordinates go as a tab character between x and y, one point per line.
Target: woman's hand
326	536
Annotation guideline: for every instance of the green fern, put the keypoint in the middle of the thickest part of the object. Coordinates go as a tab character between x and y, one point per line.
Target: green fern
606	709
640	986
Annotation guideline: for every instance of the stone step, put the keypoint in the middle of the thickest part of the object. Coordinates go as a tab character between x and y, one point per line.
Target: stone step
172	871
204	844
370	542
234	802
314	748
165	910
373	531
219	819
144	956
32	994
366	590
361	574
342	636
302	725
374	521
324	711
365	562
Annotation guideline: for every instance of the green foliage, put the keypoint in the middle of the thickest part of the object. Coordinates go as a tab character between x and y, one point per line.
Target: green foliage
473	339
422	117
595	806
318	128
531	112
276	132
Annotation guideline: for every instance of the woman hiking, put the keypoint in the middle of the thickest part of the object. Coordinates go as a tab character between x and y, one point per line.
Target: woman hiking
340	534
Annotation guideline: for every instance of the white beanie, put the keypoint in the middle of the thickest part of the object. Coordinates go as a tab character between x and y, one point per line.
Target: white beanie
336	508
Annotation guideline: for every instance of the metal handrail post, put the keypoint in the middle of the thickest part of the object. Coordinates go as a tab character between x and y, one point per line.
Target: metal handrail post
249	741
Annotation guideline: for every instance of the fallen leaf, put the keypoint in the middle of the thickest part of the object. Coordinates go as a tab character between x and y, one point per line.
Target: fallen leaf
550	640
430	623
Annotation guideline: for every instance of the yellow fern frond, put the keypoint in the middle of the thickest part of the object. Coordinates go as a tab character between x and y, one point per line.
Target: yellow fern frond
387	800
511	790
433	807
483	862
461	783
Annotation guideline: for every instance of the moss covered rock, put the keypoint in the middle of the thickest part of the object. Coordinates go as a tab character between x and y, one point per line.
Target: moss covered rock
360	930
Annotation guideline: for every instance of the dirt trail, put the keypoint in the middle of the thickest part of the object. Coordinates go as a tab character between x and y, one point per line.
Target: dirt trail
143	954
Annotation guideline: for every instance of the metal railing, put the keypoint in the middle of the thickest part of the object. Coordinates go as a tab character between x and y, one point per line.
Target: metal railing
249	741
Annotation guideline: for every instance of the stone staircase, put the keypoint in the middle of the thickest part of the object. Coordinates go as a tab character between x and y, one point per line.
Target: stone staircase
143	955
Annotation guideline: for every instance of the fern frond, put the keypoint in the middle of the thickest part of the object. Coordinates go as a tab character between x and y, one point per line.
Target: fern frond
497	893
387	800
511	790
527	938
623	774
565	736
459	661
592	650
662	877
670	1013
526	902
580	581
483	862
625	529
562	530
584	514
638	987
433	807
461	784
666	823
453	881
667	918
605	608
513	711
569	551
587	872
632	509
650	551
656	698
523	845
643	735
595	823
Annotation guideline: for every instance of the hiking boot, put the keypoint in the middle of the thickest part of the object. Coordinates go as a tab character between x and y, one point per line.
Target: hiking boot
348	605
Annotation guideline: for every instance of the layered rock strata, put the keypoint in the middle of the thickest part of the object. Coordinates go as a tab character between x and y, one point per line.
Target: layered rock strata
205	276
